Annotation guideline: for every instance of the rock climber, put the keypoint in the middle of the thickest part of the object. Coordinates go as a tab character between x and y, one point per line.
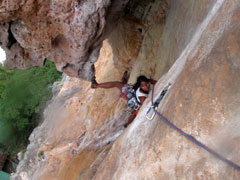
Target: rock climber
134	94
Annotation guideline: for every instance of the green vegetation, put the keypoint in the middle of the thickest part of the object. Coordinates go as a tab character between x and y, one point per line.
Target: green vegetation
23	94
5	74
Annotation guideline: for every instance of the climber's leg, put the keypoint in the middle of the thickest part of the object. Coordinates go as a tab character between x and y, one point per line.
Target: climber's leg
130	120
108	85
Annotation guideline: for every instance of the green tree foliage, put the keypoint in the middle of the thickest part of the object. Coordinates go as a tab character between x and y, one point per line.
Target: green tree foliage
23	95
4	75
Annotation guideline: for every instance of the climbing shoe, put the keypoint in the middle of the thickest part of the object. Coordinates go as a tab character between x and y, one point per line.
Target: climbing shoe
94	84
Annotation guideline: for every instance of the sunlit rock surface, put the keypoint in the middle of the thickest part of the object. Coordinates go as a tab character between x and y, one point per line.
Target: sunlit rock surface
203	101
70	32
74	133
195	46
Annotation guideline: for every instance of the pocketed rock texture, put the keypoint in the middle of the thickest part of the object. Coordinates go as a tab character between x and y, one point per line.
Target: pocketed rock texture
70	32
196	48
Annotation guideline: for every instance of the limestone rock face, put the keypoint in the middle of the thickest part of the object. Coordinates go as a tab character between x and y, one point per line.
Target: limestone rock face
74	135
70	33
192	44
204	101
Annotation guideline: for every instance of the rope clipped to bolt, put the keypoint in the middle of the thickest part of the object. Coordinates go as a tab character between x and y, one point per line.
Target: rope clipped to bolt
189	137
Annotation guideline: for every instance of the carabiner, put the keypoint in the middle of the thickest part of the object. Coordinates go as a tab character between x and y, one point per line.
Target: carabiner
152	108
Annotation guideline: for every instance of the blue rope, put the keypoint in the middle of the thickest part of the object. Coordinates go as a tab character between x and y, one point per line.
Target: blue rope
194	140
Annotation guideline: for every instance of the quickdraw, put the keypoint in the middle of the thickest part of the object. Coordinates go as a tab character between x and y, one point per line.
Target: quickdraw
150	114
153	111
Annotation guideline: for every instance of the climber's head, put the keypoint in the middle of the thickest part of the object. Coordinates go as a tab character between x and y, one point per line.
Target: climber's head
145	86
143	83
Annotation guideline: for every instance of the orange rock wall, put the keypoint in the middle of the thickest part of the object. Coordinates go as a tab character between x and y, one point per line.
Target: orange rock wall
196	49
204	101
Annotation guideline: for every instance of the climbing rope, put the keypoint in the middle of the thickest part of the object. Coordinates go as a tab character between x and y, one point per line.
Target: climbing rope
189	137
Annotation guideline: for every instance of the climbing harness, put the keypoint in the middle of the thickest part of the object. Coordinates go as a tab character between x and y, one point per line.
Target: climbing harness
129	94
154	111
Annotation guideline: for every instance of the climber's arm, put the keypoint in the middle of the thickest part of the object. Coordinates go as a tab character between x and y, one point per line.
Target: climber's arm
152	81
142	99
